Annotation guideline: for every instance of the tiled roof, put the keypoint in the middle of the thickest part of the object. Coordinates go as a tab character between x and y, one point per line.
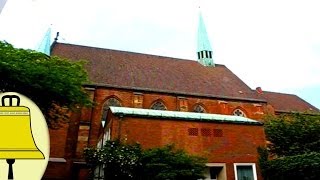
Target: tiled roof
288	102
156	73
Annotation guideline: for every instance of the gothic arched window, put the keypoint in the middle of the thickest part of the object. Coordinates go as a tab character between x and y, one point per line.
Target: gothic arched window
158	106
199	109
239	112
110	102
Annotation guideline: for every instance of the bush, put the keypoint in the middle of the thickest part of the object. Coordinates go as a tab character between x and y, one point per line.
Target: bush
120	161
123	161
167	163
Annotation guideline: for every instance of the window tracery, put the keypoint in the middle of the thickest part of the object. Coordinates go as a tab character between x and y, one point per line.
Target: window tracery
110	102
239	112
158	106
199	109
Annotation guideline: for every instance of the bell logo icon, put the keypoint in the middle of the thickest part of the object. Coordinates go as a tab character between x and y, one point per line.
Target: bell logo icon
24	138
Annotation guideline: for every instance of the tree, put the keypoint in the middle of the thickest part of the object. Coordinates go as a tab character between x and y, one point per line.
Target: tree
125	161
294	147
53	83
293	135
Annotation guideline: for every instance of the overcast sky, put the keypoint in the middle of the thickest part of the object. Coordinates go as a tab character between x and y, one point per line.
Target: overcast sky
273	44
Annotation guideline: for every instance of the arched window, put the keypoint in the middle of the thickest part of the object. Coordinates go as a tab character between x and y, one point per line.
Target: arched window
199	109
239	112
110	102
158	106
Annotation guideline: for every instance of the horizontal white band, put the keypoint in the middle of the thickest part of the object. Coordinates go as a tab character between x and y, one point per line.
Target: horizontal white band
14	113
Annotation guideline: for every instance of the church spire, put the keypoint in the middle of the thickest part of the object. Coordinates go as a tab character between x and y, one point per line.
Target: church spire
204	51
45	43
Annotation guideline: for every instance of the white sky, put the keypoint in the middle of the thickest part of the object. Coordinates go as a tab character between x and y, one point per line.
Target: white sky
274	44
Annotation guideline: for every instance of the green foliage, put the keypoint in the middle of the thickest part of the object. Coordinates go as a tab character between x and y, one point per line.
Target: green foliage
51	82
263	160
304	166
167	163
294	148
293	135
123	161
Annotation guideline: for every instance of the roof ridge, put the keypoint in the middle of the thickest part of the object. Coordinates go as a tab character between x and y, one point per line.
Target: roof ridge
278	92
132	52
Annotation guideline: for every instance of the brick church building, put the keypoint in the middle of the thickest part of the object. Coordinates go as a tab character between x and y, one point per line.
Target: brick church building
200	106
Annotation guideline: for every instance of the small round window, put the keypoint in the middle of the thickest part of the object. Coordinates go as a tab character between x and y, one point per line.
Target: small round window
239	112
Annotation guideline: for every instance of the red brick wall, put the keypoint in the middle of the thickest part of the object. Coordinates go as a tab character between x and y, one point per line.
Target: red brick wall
69	141
58	138
238	143
126	98
63	143
172	103
56	170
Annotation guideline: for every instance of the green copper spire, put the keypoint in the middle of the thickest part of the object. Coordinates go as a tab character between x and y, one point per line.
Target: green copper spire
204	51
45	43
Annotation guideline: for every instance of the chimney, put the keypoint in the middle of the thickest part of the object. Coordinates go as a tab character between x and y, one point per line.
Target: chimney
259	90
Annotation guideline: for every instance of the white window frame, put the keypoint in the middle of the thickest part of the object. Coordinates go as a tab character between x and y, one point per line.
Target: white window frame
106	137
224	170
99	171
245	164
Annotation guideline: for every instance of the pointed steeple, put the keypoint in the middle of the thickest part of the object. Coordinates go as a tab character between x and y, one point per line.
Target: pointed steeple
45	43
2	3
204	50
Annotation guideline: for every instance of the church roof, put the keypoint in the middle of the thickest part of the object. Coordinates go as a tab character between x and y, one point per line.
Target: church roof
179	115
288	102
122	69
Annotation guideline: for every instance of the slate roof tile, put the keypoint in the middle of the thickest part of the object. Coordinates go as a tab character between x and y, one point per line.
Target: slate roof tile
283	102
158	73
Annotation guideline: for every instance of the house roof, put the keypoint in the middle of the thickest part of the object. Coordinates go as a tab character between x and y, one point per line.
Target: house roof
288	102
122	69
179	115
